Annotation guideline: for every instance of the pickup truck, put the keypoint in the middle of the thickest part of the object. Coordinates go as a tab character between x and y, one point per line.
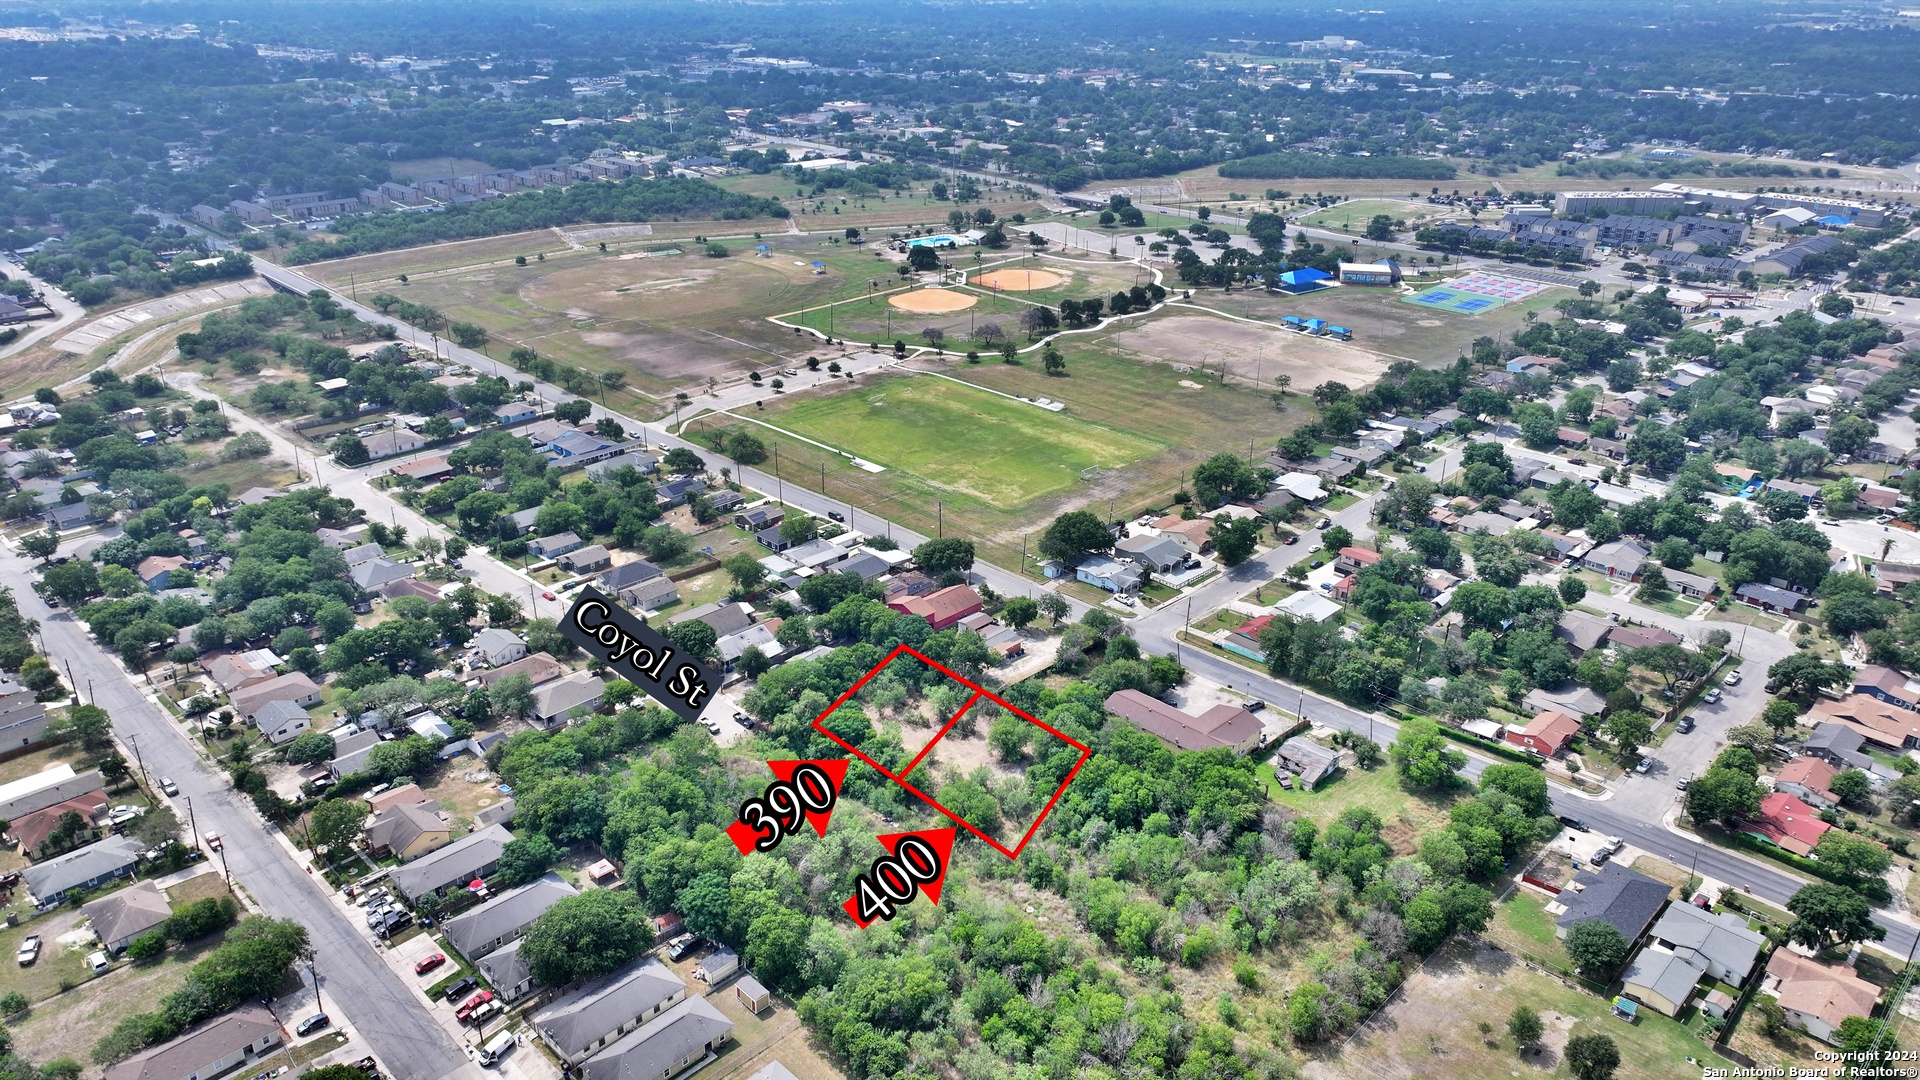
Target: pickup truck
213	841
472	1005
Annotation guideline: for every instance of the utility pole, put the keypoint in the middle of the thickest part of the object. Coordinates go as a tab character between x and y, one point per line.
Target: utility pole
779	485
134	741
940	520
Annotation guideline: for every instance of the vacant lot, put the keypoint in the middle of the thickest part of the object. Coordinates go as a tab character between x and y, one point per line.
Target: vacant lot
1354	214
1405	817
1421	1033
1248	350
1382	324
976	445
71	1023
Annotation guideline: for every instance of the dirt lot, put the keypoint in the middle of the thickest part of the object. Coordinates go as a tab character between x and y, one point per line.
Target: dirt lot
1204	341
462	798
1422	1034
69	1025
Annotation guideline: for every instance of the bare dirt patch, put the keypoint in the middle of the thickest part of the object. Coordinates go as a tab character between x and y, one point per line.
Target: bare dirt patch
1018	280
935	301
1201	340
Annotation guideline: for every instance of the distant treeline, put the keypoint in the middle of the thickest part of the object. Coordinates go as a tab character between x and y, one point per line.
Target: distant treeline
628	200
1289	165
1609	168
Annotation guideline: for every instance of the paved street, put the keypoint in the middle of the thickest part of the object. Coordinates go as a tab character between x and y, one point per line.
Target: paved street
373	1002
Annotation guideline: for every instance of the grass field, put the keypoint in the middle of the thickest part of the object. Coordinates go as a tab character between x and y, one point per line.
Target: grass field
1353	215
977	445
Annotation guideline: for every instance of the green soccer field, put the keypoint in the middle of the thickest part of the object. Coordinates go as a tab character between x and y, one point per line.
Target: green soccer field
1002	452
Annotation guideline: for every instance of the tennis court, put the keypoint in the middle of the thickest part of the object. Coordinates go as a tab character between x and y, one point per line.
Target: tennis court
1475	293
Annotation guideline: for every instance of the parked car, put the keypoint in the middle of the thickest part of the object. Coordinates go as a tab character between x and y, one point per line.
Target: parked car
374	897
312	1024
680	947
429	963
99	962
548	595
1324	523
485	1012
837	515
1292	538
1255	705
1685	783
461	987
169	788
1573	823
1645	766
1732	679
1713	696
29	950
473	1003
213	841
1685	726
395	922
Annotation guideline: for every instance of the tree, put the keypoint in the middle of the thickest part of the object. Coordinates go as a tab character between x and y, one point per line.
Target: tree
1803	675
944	556
1423	756
348	450
1597	949
694	637
1572	589
592	934
1592	1057
1055	607
335	823
1008	735
525	858
1850	435
511	696
746	572
1073	536
573	411
1019	612
1336	537
1781	716
745	448
91	725
1234	539
41	545
1053	361
1867	1044
468	335
799	528
1726	795
1525	1027
1854	857
1629	730
310	748
1853	787
1224	478
1828	916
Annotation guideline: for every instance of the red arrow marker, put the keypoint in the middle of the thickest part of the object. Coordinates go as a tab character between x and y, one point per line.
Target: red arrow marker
941	840
916	863
836	770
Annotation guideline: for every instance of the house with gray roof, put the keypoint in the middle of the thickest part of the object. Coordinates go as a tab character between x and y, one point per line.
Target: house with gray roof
1614	894
724	618
120	917
1582	632
1661	981
281	721
370	575
350	753
554	703
520	522
478	931
88	867
1768	598
498	646
558	544
248	1033
1621	559
1719	942
472	856
666	1047
507	971
580	1024
1156	553
639	584
48	787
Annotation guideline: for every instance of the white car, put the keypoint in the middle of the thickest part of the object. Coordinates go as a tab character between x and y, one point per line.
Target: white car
29	950
1732	679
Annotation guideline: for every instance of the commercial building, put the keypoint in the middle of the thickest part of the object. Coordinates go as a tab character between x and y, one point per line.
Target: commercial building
1618	202
1221	725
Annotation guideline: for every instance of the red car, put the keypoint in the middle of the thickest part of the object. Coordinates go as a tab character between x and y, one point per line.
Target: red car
429	963
1293	539
473	1003
548	595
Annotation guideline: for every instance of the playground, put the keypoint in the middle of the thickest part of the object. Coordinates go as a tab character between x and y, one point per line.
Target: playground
1475	293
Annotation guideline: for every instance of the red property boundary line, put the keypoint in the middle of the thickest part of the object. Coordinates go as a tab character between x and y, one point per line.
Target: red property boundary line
819	725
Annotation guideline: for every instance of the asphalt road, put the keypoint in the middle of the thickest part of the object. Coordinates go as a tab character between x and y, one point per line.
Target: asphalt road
387	1014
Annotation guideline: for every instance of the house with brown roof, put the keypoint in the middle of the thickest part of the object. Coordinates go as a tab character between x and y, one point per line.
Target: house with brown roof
1818	997
402	795
1352	559
32	830
941	608
154	570
1884	725
1189	534
1890	686
294	687
1808	779
230	672
1640	637
1546	734
1221	725
1787	823
539	667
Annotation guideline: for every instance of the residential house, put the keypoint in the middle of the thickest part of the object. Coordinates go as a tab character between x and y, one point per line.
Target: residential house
1610	447
407	831
1245	638
119	917
538	667
498	647
868	564
586	560
1159	554
1616	496
1312	761
1547	734
578	1025
520	522
1817	997
1480	521
760	517
395	440
1194	535
772	539
294	687
724	618
549	546
1221	725
941	608
1582	632
230	672
49	786
1306	607
1662	981
1625	898
1686	583
1720	942
247	1034
507	971
1621	559
1640	637
1888	726
680	489
1352	559
30	831
1768	598
1306	487
474	855
682	1035
639	584
352	752
554	703
281	721
429	469
1787	823
85	868
1108	574
758	636
1808	493
478	931
817	555
370	576
1839	745
1364	456
155	570
1808	779
1890	686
